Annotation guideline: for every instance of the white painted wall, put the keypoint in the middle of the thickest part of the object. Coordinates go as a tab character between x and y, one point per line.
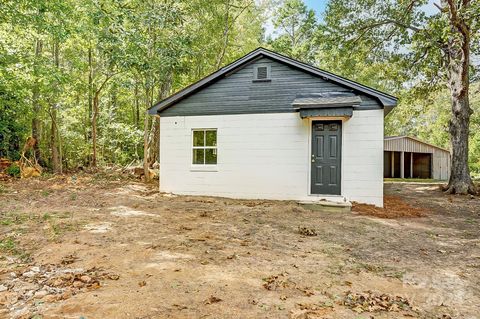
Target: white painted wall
362	169
267	156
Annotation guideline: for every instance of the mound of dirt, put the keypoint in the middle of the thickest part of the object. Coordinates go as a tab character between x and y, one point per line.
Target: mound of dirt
393	207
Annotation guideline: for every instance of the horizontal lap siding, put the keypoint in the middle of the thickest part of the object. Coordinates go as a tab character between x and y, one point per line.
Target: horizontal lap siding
237	94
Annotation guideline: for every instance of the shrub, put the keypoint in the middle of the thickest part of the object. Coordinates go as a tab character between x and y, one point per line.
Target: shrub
13	170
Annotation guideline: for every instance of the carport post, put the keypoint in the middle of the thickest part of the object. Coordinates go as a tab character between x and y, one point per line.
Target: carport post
402	164
392	166
411	165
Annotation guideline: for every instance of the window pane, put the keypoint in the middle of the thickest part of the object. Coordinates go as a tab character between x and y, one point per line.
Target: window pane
198	156
211	138
211	156
198	138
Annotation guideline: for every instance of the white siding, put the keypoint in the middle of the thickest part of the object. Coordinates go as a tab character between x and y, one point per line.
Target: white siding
268	156
362	171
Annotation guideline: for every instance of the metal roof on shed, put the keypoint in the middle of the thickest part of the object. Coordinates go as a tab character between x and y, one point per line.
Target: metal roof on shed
410	144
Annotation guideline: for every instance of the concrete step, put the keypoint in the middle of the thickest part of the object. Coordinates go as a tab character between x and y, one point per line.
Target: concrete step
328	206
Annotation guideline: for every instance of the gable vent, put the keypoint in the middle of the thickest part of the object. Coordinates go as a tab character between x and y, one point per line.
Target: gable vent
262	73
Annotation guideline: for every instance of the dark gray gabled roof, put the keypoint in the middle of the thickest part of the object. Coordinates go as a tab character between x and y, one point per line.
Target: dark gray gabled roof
385	100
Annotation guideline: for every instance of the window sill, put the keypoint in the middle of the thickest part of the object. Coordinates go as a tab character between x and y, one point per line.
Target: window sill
203	168
262	80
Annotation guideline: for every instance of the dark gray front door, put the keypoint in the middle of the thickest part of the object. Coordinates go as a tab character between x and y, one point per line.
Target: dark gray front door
326	157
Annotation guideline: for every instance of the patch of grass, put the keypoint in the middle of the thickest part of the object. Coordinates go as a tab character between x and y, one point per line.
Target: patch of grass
73	196
59	215
59	223
383	270
8	219
8	245
57	229
46	192
3	189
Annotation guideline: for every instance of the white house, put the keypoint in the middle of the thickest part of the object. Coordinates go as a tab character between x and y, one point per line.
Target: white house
269	127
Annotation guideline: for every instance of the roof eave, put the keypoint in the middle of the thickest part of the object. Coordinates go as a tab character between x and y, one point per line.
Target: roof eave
386	100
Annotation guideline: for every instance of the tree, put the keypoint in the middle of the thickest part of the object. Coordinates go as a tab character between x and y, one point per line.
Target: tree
296	25
435	48
80	74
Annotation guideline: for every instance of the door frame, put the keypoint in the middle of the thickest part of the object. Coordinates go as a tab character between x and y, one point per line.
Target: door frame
309	157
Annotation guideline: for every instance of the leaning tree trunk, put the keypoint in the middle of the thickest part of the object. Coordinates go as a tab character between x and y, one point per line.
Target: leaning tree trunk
458	57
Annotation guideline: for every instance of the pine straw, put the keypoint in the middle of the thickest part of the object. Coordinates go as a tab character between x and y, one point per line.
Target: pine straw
394	207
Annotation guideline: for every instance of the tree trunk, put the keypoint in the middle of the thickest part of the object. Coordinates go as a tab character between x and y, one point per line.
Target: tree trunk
36	104
55	154
90	82
146	134
55	157
457	53
136	111
154	138
89	118
154	142
94	129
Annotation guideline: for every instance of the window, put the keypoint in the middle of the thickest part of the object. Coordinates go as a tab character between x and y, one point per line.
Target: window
204	147
261	73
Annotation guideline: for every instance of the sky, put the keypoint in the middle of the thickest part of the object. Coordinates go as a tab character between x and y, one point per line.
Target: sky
319	7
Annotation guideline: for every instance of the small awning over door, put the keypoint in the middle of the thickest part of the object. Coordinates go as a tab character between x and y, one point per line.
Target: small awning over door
328	104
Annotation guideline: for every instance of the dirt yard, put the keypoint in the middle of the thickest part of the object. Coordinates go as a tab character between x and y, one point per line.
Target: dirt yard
105	247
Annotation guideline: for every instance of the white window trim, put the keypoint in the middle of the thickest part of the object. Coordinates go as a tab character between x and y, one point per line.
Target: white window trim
203	167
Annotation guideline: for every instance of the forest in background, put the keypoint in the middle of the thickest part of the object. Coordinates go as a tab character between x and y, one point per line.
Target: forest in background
79	75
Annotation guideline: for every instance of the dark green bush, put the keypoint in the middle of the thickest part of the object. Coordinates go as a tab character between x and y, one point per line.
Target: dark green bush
13	170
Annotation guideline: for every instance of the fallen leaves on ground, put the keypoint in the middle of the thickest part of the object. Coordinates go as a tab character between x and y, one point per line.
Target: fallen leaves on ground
393	207
306	231
310	311
371	302
69	259
212	299
279	281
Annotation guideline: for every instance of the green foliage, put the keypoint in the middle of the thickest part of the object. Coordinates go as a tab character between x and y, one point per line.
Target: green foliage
127	54
394	46
13	170
426	116
295	31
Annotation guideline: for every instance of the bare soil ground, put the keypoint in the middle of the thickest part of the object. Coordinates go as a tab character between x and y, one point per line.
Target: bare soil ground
105	247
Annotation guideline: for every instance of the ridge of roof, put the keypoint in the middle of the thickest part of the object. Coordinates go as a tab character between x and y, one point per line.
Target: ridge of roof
415	139
385	99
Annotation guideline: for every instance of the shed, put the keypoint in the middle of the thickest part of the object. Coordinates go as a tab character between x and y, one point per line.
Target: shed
270	127
409	157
